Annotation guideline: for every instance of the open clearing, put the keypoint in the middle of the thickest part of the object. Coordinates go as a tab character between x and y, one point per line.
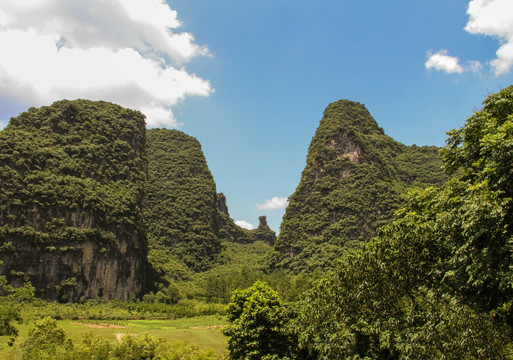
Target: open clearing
203	331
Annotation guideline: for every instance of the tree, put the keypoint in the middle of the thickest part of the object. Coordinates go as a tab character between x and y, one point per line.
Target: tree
10	305
257	324
47	340
480	158
381	304
93	347
436	281
144	347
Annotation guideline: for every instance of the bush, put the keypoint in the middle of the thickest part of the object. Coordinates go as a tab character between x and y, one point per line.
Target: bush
47	340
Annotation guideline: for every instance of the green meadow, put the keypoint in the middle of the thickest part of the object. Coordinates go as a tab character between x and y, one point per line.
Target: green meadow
204	332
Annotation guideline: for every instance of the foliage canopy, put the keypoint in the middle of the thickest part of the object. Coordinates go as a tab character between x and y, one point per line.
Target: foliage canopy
436	281
71	174
257	324
180	206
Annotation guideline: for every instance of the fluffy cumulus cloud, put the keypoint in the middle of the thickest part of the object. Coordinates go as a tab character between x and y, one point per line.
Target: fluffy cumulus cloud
244	224
274	203
444	62
486	17
126	51
494	18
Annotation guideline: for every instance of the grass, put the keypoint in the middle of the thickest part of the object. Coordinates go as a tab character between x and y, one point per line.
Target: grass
203	331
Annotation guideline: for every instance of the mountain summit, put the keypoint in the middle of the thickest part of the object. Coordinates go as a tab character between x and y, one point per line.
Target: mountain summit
355	178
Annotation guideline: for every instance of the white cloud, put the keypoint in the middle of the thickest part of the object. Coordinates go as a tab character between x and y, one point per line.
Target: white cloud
474	66
124	51
494	18
244	224
486	17
443	62
274	203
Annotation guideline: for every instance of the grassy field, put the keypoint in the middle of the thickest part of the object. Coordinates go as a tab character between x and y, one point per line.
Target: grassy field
203	331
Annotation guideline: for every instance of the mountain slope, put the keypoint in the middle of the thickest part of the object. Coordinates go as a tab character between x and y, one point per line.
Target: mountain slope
180	205
355	178
71	188
187	220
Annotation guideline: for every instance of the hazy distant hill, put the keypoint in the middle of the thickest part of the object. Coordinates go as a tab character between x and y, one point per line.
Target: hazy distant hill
71	188
355	178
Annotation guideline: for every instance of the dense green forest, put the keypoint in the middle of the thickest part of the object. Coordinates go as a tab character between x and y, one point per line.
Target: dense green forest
435	283
186	219
355	178
72	181
386	251
195	248
180	207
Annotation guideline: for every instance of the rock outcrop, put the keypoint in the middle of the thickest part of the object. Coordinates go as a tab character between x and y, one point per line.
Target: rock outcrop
263	232
221	204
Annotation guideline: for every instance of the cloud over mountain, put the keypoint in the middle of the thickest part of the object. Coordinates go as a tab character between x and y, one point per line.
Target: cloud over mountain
128	52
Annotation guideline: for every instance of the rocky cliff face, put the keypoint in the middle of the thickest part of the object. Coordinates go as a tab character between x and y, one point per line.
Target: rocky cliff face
355	178
71	189
78	269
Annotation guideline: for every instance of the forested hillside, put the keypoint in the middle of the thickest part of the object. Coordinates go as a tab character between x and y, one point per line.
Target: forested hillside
435	283
82	190
187	221
80	177
71	189
180	206
355	178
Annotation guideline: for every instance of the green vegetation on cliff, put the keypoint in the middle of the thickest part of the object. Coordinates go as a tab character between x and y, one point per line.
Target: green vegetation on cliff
189	228
436	281
75	158
75	179
180	207
72	177
355	178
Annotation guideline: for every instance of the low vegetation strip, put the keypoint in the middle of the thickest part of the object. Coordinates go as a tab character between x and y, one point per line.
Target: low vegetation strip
100	326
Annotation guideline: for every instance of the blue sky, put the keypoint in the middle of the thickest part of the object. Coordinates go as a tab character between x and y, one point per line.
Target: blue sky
251	79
